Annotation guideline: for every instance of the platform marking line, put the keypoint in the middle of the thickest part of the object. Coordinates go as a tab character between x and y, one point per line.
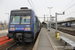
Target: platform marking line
53	45
36	43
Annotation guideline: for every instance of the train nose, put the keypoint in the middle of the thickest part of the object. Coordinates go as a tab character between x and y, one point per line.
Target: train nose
19	36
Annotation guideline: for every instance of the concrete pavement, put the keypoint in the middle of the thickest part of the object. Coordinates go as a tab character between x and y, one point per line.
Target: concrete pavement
58	44
44	43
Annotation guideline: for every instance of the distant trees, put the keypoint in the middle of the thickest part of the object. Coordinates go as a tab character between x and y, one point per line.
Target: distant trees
5	23
1	23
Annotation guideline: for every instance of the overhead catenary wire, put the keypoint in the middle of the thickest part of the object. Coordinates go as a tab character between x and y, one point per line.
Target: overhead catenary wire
32	5
67	5
70	13
70	7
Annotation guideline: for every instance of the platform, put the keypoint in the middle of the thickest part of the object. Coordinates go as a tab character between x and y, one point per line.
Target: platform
44	43
47	41
3	32
58	44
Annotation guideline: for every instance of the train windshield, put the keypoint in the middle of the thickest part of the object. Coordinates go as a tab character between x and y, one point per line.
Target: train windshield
25	20
15	19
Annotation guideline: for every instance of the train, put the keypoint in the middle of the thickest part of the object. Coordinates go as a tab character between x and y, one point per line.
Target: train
65	25
73	25
24	25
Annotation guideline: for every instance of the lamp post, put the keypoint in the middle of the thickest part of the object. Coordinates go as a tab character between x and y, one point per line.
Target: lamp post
50	16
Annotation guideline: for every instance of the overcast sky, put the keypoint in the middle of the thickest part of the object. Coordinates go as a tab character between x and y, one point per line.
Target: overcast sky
41	8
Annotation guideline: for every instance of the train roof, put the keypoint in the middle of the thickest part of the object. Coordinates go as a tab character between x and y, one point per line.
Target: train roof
21	9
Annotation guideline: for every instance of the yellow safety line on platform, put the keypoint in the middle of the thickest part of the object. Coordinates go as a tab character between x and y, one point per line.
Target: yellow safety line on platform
53	45
36	44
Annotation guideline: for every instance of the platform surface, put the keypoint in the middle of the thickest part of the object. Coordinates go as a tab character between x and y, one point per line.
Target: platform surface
44	43
60	45
3	33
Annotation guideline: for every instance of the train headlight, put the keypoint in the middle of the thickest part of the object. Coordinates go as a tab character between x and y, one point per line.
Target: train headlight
12	28
27	29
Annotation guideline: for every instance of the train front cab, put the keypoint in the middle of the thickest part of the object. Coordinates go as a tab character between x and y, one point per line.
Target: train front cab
21	27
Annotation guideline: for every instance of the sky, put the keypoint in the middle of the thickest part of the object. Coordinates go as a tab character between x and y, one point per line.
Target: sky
41	8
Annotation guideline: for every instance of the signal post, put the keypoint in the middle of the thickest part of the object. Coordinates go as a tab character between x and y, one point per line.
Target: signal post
56	32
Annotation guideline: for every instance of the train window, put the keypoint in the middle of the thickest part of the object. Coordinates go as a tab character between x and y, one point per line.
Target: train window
25	20
15	19
35	20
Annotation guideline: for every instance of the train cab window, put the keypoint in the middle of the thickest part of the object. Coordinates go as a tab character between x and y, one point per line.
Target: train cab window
25	20
15	19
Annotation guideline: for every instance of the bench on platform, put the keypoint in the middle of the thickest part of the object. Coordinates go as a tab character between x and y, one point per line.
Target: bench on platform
70	42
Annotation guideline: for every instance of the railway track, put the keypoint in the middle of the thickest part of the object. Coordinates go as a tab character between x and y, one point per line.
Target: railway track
10	44
71	32
6	45
21	46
